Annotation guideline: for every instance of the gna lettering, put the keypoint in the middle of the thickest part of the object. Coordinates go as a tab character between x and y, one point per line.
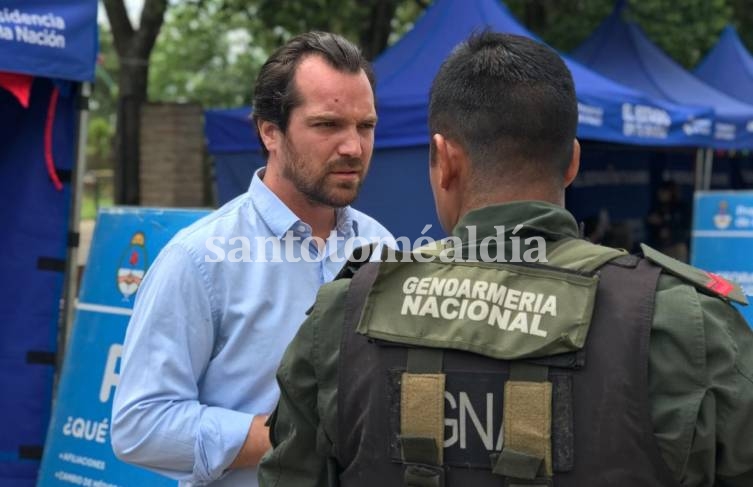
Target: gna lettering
461	420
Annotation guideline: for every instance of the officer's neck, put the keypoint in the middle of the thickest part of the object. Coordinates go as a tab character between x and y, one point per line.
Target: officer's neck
508	194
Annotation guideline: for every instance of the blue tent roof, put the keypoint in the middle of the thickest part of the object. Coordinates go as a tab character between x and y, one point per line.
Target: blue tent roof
608	111
405	72
728	67
621	50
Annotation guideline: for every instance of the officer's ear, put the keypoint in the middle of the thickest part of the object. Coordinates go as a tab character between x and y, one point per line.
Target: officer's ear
574	166
446	161
448	177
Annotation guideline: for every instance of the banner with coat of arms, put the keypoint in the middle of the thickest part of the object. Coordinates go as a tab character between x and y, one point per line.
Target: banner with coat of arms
77	450
723	238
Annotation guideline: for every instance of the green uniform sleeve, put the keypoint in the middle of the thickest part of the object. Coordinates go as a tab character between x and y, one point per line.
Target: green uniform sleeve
303	427
701	386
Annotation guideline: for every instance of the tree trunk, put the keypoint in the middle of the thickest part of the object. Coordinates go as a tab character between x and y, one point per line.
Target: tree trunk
133	92
133	48
535	15
375	36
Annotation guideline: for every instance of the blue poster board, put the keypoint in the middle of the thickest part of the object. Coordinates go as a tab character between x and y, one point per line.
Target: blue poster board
77	451
723	238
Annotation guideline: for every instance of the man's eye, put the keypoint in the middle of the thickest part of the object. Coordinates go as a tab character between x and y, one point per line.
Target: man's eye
368	126
324	123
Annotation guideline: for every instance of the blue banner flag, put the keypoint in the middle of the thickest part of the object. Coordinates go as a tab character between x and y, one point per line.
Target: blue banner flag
50	38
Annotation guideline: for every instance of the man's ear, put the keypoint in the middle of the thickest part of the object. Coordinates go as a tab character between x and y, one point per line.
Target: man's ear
572	168
270	134
445	160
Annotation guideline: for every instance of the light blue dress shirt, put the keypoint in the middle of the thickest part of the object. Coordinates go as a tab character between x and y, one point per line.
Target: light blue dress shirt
207	333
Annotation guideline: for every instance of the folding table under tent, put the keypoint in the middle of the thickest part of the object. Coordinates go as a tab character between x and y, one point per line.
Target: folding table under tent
47	50
397	190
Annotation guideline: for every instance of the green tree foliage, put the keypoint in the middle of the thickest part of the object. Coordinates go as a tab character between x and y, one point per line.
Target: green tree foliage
563	24
209	51
103	104
684	29
369	23
742	19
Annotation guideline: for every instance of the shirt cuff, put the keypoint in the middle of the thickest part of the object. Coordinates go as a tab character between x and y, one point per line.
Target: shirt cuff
222	433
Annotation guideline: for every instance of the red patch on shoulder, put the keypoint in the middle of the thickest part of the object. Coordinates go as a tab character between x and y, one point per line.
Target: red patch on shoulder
720	285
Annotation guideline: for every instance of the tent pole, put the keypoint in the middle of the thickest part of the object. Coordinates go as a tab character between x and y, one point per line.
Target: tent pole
708	168
699	160
70	289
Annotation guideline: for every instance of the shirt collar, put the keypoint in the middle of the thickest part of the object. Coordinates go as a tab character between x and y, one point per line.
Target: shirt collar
280	219
346	224
276	215
536	217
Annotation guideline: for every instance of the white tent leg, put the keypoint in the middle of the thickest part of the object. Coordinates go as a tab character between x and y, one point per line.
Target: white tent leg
708	169
70	287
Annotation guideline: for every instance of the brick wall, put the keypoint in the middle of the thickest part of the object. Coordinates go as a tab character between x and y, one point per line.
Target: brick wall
173	171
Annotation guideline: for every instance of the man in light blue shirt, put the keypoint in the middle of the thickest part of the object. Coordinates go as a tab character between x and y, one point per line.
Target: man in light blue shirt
226	295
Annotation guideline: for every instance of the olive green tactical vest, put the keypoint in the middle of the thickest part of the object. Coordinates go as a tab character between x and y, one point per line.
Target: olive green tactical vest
572	411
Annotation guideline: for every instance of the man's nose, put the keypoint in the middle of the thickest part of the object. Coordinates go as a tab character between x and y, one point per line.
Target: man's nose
350	146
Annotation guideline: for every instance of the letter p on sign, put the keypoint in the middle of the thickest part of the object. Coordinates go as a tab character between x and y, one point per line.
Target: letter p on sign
111	376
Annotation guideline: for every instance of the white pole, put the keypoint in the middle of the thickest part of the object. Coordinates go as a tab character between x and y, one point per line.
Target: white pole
70	288
708	169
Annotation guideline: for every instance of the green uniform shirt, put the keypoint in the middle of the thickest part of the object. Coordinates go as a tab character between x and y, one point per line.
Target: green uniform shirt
700	373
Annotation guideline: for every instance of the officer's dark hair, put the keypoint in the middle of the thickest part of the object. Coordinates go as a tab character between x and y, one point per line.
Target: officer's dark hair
509	102
275	94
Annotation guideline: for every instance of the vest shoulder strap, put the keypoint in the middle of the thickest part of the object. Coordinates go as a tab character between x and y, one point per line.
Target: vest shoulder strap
704	281
571	253
359	257
581	255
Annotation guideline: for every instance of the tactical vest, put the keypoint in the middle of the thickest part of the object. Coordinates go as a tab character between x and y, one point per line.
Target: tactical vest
416	415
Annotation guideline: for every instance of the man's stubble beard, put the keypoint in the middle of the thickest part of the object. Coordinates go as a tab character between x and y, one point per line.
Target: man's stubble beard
316	191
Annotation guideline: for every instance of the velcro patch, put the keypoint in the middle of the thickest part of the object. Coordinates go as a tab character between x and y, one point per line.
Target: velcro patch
501	311
473	418
422	408
528	420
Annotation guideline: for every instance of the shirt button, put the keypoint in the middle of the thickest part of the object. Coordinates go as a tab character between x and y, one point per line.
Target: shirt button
301	228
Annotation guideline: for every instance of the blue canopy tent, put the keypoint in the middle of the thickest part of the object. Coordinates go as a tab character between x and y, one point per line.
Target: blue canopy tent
47	48
405	71
397	190
728	67
620	50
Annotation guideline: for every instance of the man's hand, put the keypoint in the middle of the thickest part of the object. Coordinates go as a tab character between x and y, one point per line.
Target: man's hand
256	444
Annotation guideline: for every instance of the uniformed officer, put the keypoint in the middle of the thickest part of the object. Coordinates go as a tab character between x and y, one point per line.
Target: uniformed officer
515	353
